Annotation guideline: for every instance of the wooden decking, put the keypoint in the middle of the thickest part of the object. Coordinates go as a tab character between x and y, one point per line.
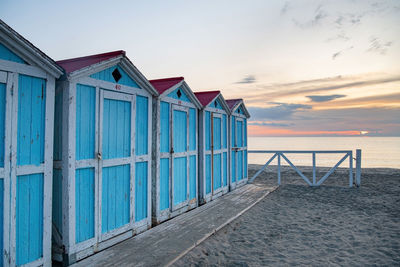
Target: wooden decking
167	242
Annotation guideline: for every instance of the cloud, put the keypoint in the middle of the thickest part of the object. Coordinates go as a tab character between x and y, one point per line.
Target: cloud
324	98
273	91
248	79
335	55
318	16
285	8
377	46
271	124
279	111
378	121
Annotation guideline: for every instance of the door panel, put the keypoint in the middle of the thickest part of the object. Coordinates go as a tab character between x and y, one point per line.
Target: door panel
115	159
180	157
217	171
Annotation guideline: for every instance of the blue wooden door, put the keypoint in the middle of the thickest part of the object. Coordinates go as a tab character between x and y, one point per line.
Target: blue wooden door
116	162
216	150
239	152
180	183
30	166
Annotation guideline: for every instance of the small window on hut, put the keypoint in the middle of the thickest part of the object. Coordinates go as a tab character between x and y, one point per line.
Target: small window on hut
116	75
179	94
215	104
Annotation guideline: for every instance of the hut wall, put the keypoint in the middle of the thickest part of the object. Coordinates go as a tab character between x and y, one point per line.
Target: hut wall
26	144
102	175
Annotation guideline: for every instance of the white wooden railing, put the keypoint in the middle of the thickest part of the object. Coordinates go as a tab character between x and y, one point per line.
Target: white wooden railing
281	154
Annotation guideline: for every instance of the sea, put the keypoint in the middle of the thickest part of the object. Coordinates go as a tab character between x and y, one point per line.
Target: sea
376	152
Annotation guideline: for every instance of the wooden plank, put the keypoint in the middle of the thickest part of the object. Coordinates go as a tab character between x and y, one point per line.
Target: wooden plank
164	244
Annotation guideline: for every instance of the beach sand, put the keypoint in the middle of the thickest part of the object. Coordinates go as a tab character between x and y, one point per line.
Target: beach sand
330	225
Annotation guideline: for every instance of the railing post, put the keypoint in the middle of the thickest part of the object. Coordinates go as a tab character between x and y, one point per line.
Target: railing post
358	167
351	169
314	177
279	168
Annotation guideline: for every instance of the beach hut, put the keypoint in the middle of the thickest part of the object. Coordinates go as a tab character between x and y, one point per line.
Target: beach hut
213	145
175	117
238	142
27	81
102	154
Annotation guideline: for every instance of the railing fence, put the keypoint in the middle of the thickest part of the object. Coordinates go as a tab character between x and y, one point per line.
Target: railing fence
348	154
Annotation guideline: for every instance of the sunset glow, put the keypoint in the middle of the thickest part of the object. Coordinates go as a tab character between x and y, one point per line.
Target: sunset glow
303	68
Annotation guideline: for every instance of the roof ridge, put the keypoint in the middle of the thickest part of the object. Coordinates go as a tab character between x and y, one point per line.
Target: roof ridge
117	52
167	79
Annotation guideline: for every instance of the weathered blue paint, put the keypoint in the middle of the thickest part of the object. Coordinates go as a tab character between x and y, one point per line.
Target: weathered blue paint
85	121
142	138
1	218
245	132
116	129
192	176
233	166
7	54
106	75
141	180
180	180
217	171
192	129
57	199
225	168
240	110
216	133
164	183
208	174
239	134
233	136
29	218
84	204
208	130
239	165
31	120
180	131
115	197
183	96
245	162
2	122
180	164
164	127
57	150
224	132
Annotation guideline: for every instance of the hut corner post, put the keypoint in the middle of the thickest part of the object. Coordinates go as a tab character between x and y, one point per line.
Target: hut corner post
358	167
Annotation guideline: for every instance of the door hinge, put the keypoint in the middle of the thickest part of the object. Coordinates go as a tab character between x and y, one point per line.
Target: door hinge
12	89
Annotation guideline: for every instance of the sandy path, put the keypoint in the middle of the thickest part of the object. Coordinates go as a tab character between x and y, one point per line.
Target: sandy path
300	225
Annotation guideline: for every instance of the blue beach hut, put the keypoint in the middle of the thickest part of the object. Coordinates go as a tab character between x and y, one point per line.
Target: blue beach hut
238	142
27	86
175	147
102	154
213	145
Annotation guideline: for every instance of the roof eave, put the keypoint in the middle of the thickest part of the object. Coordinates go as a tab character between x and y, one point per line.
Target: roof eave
28	51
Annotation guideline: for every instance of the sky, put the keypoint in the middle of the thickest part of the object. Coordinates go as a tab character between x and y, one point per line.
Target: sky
303	67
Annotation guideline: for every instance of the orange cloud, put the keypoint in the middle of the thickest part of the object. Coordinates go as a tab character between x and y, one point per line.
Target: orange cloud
257	130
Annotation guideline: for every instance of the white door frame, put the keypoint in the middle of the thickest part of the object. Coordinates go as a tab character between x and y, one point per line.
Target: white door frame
179	155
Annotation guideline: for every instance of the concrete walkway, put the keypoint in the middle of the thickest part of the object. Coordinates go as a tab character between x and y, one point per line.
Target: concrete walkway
169	241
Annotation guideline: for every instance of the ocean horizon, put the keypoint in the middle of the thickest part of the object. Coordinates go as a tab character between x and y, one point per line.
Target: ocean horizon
377	152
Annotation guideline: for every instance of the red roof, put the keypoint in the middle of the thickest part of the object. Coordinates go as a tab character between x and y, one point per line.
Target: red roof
73	64
161	85
206	97
232	102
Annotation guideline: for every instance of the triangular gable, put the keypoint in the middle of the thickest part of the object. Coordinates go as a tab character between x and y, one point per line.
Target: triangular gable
179	94
115	74
7	54
240	108
15	48
217	104
98	67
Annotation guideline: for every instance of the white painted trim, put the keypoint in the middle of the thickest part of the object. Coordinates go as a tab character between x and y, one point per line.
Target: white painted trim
21	68
3	77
